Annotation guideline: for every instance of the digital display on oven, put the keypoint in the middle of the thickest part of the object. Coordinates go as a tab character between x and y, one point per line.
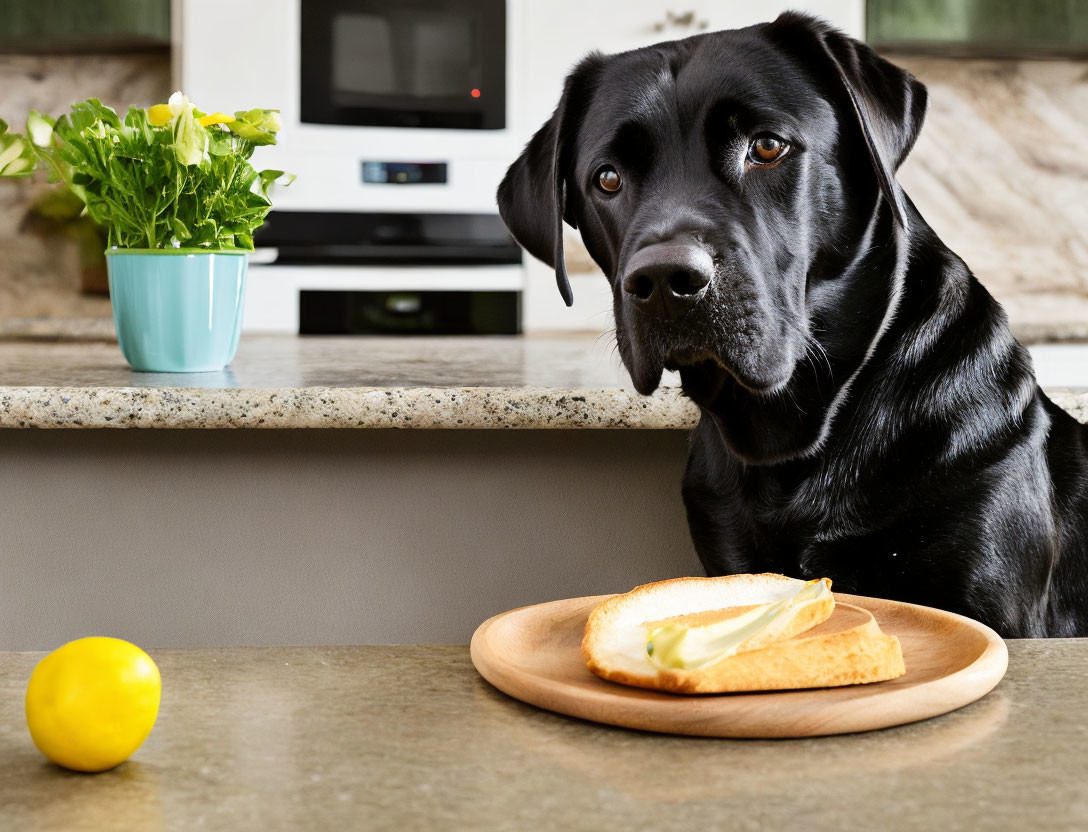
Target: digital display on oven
404	173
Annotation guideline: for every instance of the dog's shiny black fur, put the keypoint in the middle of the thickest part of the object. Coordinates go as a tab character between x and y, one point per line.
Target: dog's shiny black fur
866	413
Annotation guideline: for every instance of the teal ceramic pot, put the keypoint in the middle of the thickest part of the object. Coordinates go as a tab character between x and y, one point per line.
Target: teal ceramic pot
177	310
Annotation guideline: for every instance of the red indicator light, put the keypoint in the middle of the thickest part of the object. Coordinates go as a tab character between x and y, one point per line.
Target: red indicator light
475	93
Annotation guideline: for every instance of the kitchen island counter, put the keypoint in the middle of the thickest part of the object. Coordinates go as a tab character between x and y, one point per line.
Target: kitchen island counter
354	533
541	382
545	382
410	737
351	533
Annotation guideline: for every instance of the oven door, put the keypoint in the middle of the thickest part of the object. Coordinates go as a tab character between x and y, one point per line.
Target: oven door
409	63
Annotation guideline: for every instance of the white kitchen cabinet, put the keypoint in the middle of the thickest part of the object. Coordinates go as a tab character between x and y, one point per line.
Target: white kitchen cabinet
559	32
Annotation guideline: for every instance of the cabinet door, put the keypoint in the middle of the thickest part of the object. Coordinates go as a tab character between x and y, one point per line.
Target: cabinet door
557	33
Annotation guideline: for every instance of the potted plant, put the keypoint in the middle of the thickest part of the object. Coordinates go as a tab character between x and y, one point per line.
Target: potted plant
175	189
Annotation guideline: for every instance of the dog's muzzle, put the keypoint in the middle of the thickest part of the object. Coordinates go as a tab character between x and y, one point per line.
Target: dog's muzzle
665	280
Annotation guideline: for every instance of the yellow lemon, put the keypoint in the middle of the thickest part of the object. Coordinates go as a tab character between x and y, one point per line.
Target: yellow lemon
92	702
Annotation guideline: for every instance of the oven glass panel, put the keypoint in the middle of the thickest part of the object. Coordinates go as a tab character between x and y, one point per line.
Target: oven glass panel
414	63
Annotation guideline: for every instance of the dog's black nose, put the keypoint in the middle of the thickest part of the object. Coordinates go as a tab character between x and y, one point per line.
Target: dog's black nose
667	279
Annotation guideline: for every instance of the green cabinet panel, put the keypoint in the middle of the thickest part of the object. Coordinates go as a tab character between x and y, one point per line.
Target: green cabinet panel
990	27
83	25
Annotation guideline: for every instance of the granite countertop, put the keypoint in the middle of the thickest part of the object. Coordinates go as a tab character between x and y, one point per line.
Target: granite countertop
410	737
279	381
538	381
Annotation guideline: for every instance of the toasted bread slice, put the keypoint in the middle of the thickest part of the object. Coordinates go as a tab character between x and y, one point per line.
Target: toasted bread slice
736	633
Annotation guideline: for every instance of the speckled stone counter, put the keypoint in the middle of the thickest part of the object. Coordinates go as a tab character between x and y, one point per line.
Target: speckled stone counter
545	382
397	738
289	382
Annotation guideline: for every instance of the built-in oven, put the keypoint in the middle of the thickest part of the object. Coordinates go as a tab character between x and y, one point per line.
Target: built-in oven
398	124
407	63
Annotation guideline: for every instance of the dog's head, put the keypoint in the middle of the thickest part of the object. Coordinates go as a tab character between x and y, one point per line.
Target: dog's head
726	184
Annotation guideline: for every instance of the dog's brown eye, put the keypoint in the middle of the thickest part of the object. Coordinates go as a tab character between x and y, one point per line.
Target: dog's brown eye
766	149
608	180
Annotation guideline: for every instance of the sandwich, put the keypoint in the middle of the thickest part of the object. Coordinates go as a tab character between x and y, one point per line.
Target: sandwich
737	633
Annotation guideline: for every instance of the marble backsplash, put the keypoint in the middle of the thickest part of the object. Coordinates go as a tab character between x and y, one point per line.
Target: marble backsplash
1000	171
40	276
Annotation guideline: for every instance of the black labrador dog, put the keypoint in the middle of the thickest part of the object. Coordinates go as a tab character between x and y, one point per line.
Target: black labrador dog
866	413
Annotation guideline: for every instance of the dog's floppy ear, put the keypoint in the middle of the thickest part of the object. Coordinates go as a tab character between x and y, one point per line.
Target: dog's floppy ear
888	102
533	194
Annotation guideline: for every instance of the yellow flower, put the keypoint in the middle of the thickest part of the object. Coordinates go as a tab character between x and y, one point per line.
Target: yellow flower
215	118
159	115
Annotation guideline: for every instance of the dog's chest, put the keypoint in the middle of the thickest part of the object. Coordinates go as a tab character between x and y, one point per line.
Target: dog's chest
877	562
837	525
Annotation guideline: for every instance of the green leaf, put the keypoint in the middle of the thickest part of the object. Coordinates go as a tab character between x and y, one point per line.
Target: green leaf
271	177
92	110
72	154
257	126
19	167
179	229
11	146
264	119
221	143
140	129
15	155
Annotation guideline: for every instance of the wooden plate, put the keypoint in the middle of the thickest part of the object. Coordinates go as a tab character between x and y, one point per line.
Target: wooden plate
534	654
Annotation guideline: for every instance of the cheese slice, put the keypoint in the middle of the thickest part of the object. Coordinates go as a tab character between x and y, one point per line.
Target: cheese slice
736	633
695	640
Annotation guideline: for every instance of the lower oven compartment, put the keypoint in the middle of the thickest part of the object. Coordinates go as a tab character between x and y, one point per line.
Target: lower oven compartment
320	272
409	313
